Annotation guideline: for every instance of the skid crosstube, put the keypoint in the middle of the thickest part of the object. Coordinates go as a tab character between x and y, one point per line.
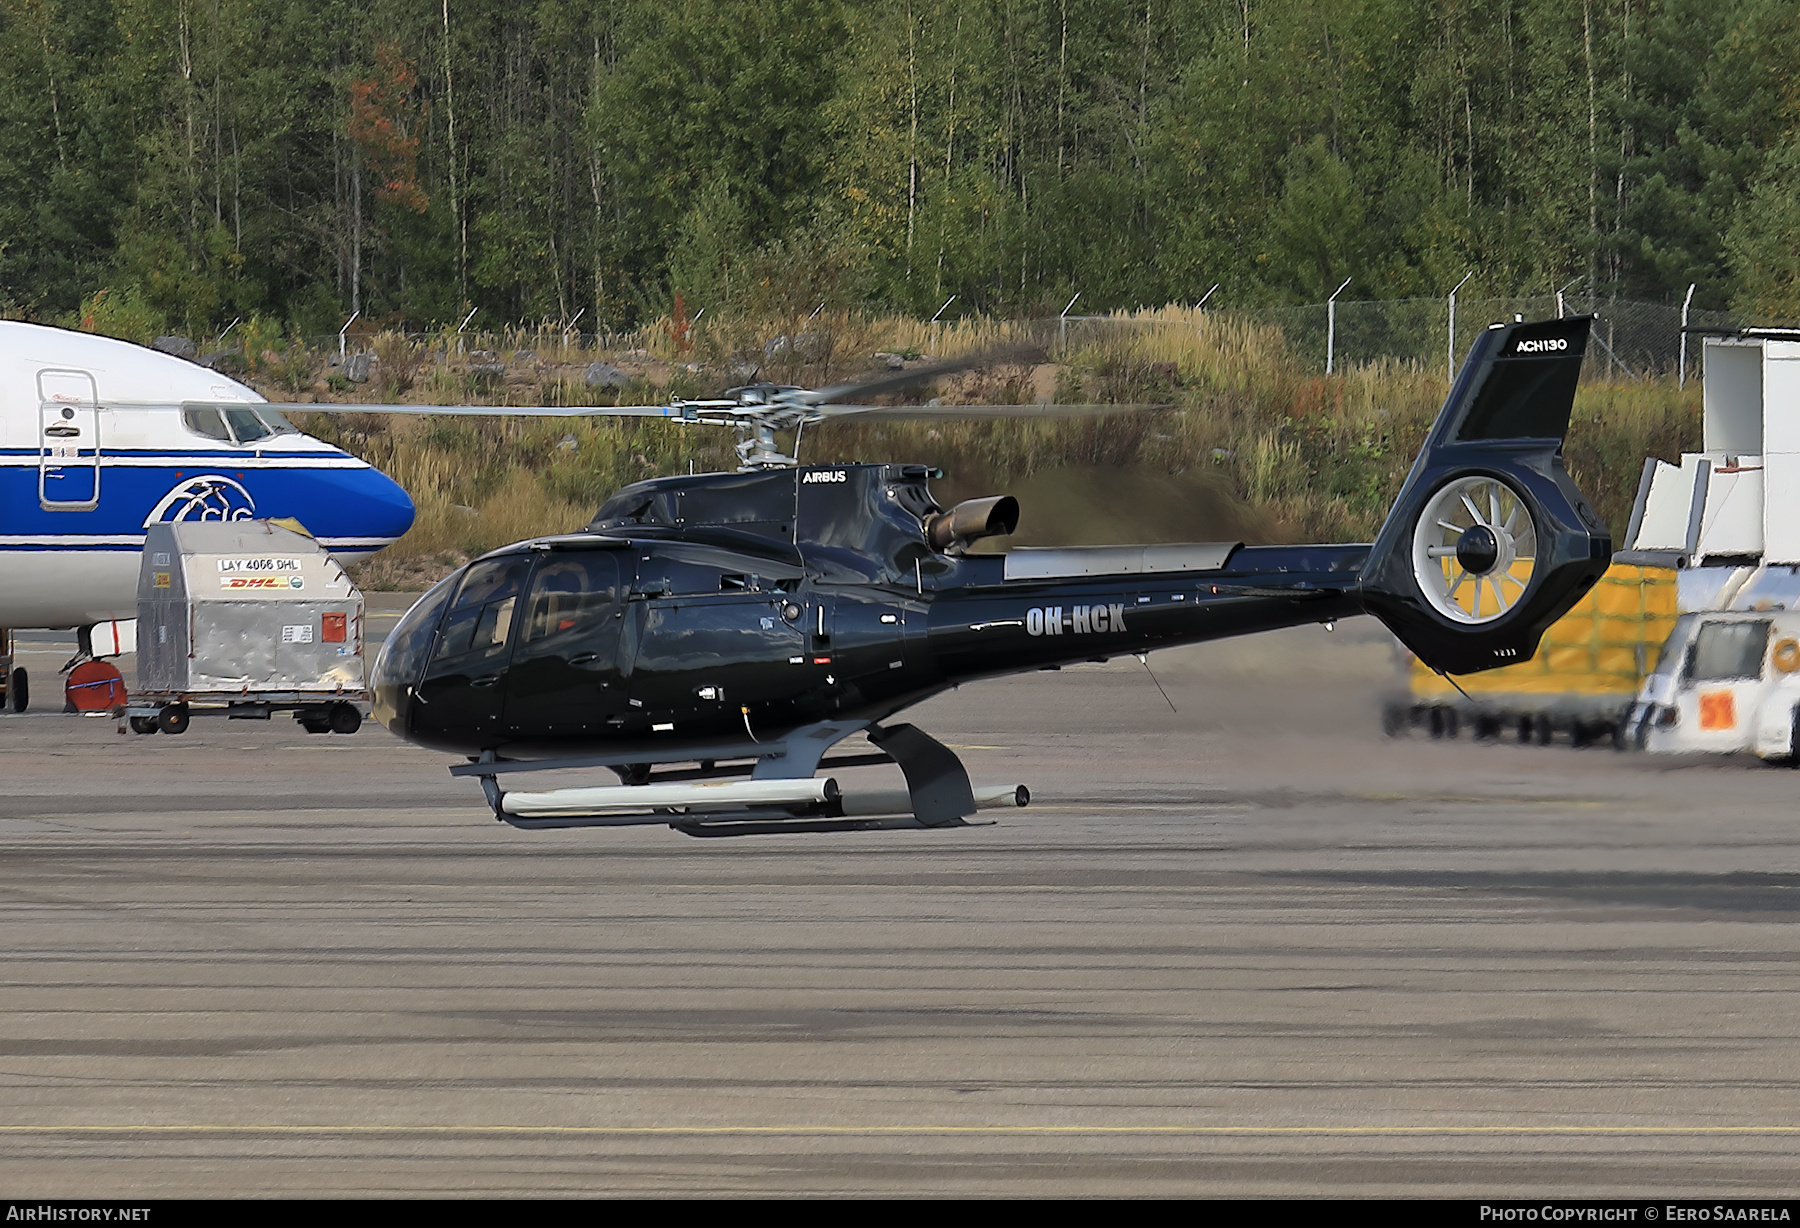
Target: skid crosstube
938	787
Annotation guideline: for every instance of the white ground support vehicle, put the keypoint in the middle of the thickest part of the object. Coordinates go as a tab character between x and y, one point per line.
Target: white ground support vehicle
1727	681
1736	503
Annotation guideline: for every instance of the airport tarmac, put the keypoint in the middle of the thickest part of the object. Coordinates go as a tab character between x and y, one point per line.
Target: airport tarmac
1246	947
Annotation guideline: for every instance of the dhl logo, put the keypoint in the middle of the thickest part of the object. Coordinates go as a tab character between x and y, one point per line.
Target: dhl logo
244	582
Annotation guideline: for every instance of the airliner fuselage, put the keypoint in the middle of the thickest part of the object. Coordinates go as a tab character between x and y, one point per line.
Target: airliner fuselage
100	438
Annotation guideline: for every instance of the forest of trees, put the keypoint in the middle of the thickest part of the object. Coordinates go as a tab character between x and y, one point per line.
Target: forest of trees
176	164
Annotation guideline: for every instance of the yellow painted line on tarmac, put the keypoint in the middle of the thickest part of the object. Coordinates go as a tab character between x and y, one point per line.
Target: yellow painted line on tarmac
990	1130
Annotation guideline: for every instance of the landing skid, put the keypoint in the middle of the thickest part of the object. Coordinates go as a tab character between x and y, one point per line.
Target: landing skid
775	789
741	823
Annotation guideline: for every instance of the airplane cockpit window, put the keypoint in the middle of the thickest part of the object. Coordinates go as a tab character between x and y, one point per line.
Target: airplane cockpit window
207	421
247	425
236	424
570	594
277	424
482	615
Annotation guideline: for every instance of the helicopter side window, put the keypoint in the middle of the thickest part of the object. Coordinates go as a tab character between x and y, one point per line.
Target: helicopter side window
482	616
672	577
206	421
569	595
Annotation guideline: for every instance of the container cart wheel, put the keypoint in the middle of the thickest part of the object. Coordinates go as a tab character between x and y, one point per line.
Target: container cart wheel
345	718
1546	730
314	720
1393	720
1525	729
143	724
1436	722
1450	722
1487	728
20	692
173	718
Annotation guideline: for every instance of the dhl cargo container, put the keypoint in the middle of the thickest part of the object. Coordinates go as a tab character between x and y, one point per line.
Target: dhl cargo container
1582	681
245	618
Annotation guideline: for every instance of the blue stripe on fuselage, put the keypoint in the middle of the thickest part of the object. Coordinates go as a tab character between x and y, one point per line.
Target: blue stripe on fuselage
129	454
333	503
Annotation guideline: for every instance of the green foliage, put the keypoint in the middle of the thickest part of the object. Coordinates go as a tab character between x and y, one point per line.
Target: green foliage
305	158
124	314
710	239
1764	244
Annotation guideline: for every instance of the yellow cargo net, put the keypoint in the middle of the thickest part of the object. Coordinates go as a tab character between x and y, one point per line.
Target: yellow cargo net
1604	646
1485	596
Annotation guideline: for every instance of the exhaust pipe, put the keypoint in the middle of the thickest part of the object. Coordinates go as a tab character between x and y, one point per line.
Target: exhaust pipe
700	795
971	520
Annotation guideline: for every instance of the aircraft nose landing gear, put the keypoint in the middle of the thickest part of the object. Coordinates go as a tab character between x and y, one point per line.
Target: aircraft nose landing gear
15	684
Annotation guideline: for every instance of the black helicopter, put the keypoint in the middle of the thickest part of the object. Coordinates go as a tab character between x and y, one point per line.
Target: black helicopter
745	623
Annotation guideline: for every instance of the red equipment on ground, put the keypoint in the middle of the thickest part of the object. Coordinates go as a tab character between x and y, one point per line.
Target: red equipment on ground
95	686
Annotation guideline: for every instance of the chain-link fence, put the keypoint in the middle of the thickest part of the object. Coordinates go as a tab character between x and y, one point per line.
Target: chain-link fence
1631	340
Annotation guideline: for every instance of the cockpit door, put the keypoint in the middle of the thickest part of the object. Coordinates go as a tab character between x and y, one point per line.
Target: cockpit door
564	679
68	441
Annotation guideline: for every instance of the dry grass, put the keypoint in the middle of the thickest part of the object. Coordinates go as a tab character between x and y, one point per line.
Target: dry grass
1250	442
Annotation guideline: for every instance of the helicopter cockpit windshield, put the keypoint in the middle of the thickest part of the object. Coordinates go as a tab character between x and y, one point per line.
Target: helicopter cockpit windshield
397	666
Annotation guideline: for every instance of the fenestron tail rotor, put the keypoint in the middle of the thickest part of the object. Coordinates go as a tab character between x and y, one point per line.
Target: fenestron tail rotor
1475	549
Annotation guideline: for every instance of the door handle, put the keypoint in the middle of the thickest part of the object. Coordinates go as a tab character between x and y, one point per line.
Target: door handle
584	658
487	680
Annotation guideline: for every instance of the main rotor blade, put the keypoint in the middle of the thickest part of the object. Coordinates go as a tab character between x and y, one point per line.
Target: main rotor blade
715	412
839	393
685	410
901	413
